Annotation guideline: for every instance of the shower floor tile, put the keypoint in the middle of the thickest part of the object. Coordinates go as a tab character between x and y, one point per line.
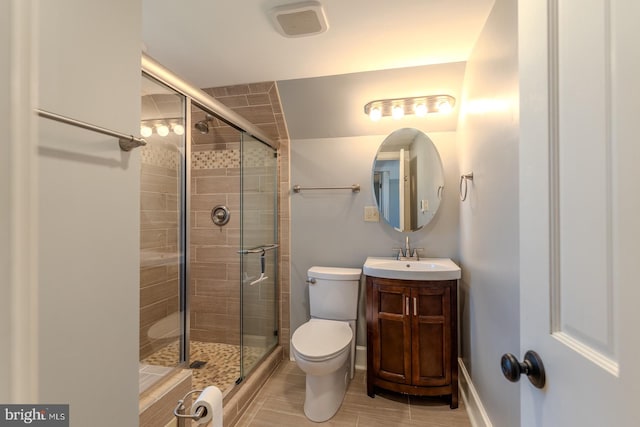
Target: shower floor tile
222	362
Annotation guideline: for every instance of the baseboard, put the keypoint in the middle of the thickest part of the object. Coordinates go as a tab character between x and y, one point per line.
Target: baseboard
477	414
361	357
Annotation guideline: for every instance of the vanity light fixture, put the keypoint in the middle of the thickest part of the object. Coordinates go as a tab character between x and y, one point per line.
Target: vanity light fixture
397	111
145	131
178	129
162	127
162	130
444	106
375	114
420	109
418	105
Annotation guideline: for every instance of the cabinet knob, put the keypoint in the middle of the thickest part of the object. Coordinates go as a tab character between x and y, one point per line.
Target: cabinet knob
532	367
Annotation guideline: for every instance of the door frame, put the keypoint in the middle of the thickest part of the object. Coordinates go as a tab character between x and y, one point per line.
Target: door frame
21	290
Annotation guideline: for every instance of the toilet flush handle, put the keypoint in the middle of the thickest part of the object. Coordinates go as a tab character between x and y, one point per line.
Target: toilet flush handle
311	281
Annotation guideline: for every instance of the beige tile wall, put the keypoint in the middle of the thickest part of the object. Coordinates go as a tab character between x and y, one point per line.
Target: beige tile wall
215	180
159	270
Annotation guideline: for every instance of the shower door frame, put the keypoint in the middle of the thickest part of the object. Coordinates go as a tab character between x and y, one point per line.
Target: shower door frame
195	96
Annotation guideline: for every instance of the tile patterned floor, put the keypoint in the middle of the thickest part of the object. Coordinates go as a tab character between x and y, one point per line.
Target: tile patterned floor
280	403
222	367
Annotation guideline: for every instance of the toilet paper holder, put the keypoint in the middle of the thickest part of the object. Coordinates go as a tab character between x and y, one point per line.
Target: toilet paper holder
180	411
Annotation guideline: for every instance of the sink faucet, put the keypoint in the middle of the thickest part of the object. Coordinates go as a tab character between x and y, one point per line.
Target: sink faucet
407	248
407	255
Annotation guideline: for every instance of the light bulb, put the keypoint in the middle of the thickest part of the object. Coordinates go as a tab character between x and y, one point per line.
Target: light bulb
420	109
145	131
178	129
397	112
444	107
163	130
375	114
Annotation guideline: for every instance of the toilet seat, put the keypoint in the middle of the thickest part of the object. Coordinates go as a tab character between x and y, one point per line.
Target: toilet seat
320	339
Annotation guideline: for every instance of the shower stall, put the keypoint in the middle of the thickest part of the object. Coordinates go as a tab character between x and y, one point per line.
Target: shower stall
209	236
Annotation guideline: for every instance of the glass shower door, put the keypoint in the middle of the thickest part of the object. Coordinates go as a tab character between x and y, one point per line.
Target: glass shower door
162	232
214	291
259	266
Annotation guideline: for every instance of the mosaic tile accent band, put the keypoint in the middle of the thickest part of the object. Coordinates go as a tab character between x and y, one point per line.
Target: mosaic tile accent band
215	159
212	159
222	159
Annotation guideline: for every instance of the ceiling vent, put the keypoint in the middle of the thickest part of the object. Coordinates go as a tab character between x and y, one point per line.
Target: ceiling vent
300	19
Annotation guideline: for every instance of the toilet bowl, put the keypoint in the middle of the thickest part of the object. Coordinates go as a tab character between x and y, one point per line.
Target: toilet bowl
324	347
322	350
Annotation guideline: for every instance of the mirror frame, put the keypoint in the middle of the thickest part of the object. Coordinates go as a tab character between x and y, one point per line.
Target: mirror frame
419	201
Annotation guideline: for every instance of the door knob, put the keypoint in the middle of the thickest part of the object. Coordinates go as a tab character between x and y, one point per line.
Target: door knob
532	367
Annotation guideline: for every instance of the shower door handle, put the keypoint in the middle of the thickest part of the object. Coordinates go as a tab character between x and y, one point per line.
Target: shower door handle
258	249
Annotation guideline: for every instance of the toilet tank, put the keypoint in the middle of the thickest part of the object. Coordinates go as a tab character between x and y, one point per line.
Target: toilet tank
333	292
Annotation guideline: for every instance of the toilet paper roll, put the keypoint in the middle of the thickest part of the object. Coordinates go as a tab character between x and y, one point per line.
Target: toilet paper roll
211	400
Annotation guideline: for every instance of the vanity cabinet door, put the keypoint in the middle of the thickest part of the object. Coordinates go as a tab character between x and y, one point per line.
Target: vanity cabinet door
391	336
412	337
431	335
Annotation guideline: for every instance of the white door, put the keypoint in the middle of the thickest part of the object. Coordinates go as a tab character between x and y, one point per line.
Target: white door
579	66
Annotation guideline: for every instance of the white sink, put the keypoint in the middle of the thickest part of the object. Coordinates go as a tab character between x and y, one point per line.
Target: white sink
424	269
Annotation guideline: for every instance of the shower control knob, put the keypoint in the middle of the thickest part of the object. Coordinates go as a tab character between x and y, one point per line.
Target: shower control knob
220	215
532	367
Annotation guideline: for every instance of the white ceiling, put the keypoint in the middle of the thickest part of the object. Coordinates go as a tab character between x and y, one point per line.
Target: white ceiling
223	42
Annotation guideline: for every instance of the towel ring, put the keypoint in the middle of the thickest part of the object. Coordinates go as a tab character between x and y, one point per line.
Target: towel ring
463	179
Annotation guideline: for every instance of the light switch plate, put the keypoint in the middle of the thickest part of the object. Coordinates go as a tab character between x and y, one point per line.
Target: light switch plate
371	214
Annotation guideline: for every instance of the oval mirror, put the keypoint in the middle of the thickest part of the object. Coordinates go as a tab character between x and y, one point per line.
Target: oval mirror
408	179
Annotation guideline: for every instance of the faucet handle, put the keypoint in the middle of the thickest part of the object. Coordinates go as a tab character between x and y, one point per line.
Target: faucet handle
399	254
415	252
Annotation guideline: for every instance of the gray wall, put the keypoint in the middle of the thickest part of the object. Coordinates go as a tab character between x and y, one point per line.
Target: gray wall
328	227
88	230
488	146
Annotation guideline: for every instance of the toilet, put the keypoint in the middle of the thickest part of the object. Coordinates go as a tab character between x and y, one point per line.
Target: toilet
324	347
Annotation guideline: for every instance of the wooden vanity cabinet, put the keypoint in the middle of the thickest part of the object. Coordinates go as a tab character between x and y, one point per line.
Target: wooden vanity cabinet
412	337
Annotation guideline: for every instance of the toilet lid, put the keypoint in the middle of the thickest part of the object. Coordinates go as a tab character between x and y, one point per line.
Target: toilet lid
334	273
320	339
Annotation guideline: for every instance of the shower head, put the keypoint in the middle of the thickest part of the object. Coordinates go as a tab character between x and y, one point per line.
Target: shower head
203	125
